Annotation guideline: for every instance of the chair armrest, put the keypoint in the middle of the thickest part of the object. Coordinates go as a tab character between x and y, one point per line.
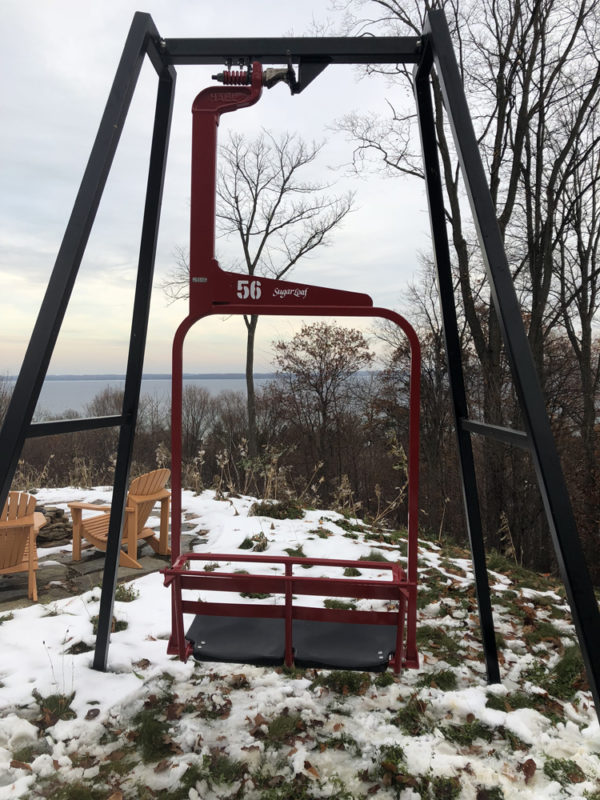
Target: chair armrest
90	506
156	496
20	522
39	520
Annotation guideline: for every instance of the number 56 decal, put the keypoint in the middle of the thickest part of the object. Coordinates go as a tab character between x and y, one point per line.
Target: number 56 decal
248	289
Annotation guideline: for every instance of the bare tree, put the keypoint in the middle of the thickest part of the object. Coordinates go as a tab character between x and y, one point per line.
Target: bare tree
277	217
315	368
532	77
5	395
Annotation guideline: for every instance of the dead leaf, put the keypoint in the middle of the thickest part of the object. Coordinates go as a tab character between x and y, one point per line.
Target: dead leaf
55	764
338	726
174	711
309	768
528	769
239	681
116	755
143	663
92	713
116	795
20	765
163	765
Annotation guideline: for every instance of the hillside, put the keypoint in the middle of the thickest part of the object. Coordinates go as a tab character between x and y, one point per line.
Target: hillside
155	727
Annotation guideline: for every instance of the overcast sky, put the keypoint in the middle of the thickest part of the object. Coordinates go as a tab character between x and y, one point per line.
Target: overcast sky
58	62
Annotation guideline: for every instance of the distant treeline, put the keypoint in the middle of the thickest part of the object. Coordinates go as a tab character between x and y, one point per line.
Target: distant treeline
334	434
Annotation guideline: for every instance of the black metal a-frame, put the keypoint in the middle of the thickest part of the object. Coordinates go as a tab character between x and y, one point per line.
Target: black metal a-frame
312	56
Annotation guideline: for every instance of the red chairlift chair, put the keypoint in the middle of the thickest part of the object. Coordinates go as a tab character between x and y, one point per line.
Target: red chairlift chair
287	633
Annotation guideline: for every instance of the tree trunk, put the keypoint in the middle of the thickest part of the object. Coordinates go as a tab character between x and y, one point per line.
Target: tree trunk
251	323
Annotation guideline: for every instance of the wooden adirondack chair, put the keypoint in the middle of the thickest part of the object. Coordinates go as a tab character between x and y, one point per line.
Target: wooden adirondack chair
19	526
144	493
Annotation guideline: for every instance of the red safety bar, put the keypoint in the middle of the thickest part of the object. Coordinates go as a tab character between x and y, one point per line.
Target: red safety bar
215	291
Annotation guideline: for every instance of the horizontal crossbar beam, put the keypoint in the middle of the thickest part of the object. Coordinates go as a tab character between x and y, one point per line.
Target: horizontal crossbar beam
56	426
506	435
316	49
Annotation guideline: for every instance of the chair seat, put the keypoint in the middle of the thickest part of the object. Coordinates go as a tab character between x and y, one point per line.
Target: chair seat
96	530
144	493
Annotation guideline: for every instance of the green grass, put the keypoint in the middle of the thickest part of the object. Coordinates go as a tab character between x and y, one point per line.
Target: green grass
117	624
349	527
287	509
54	707
374	555
342	741
78	648
384	679
542	631
517	700
322	533
343	682
391	758
222	769
151	730
295	552
412	718
126	593
464	735
77	791
564	771
283	729
499	563
444	788
333	602
444	679
352	572
440	643
567	676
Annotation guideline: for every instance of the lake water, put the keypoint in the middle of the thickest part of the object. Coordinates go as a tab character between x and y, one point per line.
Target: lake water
58	396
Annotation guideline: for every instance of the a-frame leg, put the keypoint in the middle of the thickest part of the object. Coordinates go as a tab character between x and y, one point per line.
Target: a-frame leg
454	359
135	362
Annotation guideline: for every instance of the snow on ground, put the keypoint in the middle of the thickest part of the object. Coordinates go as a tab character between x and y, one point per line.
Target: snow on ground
152	726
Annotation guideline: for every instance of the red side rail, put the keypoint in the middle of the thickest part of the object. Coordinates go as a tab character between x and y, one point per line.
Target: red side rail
396	590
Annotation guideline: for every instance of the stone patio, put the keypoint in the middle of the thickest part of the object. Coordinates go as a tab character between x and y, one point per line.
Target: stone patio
59	576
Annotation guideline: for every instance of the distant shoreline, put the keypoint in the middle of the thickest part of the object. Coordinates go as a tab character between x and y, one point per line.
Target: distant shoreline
156	376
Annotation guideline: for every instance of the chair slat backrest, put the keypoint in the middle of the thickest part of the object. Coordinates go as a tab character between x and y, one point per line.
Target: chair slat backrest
12	546
148	484
17	506
13	540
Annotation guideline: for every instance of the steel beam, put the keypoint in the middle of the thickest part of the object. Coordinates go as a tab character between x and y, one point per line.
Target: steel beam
135	362
506	435
441	249
315	49
57	426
